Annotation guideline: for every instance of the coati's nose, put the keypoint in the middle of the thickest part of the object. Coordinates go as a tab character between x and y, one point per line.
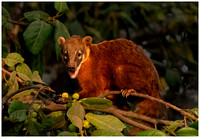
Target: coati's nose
71	69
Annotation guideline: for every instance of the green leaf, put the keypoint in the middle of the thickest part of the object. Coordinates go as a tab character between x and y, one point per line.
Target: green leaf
174	126
32	129
15	105
36	77
35	15
173	78
36	36
66	133
13	58
5	16
17	112
76	28
60	30
58	122
24	72
4	51
61	6
97	103
18	116
195	125
187	131
76	115
152	132
12	83
106	132
105	121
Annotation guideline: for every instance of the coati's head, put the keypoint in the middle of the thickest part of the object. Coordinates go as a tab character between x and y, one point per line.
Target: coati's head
75	51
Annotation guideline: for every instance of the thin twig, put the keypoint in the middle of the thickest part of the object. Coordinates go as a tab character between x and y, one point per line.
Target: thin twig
8	73
36	87
153	99
81	133
17	22
35	99
185	121
54	17
131	122
155	126
143	117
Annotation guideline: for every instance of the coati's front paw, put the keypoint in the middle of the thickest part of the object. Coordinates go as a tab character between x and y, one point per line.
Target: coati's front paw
126	92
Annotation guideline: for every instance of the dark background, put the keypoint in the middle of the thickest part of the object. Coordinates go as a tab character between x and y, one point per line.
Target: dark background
167	31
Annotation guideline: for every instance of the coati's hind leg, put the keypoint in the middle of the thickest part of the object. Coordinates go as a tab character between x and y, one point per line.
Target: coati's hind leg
148	107
140	81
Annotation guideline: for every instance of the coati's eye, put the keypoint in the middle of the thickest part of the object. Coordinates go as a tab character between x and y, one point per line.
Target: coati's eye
79	53
65	55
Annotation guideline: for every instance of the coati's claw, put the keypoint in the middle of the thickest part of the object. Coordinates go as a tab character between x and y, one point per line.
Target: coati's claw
126	92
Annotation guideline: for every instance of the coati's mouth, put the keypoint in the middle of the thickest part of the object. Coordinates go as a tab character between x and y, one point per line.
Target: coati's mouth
73	72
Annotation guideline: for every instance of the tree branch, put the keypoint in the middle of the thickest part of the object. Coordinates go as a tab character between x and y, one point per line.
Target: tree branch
8	73
145	118
118	113
17	22
36	87
153	99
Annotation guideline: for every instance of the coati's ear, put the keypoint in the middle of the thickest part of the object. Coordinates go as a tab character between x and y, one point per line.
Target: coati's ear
61	41
87	40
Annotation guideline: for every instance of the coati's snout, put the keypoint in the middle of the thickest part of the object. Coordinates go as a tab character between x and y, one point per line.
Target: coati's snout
74	52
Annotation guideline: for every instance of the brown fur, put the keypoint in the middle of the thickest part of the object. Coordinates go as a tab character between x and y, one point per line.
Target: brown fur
120	64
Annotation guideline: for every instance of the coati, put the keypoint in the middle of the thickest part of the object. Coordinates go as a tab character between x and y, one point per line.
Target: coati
113	65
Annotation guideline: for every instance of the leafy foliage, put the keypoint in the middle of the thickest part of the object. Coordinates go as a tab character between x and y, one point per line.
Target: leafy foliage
105	122
167	31
76	115
13	58
95	102
153	132
36	15
60	30
36	36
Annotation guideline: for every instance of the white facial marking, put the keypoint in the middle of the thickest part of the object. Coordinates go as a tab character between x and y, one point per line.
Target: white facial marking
79	52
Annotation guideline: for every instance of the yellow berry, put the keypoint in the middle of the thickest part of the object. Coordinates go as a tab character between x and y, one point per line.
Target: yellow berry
86	124
33	114
75	96
65	95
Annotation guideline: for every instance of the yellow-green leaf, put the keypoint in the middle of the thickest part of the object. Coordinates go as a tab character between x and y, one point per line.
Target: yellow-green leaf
13	58
76	115
12	83
187	131
36	77
152	132
97	103
106	132
105	121
24	72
